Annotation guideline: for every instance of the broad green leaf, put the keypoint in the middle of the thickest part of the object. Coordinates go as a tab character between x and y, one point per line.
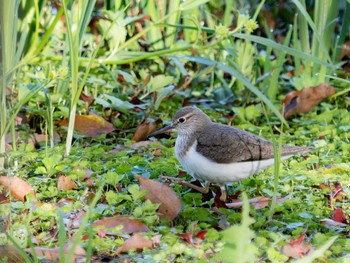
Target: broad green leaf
52	161
162	94
160	81
238	245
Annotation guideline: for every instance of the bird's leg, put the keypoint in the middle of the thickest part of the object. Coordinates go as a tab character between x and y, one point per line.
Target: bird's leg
223	195
203	190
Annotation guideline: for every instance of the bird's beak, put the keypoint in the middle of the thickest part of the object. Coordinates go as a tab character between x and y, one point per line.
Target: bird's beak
162	130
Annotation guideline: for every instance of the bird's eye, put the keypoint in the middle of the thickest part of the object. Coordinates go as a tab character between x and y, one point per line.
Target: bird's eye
182	120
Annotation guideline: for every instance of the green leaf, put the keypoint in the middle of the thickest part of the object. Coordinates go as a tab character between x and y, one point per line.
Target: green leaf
112	178
52	161
160	81
136	193
162	94
238	240
117	104
190	4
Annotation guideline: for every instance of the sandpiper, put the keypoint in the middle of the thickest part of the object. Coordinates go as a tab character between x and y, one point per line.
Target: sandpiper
217	153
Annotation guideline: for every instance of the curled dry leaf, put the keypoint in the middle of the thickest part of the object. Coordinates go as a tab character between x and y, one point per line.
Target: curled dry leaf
143	130
17	187
159	193
136	241
90	125
65	183
129	225
297	248
53	253
306	99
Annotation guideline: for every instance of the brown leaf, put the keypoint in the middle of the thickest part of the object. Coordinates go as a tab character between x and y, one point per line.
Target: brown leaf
129	225
345	50
306	99
90	125
187	237
297	248
65	183
137	242
258	202
17	187
143	130
86	98
269	18
11	253
201	234
53	253
339	216
159	193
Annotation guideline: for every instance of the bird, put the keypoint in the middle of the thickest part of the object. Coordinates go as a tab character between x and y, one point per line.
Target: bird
219	154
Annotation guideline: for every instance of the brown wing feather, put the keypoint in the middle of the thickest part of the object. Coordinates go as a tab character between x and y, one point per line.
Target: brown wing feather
228	144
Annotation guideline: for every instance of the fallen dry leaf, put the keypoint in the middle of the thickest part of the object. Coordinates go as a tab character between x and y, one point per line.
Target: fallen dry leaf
10	254
90	125
258	202
331	223
186	237
297	248
339	216
53	253
306	99
137	242
65	183
143	130
159	193
345	50
17	187
129	225
86	98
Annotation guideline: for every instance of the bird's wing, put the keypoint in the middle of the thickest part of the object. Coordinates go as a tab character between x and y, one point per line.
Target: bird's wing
225	144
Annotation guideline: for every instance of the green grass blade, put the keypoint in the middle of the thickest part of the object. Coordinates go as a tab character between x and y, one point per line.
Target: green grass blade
288	50
315	30
24	255
242	79
304	38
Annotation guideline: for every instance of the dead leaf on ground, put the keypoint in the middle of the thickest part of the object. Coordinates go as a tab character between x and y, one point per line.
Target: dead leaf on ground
86	98
53	253
136	241
90	125
192	239
331	223
345	50
258	202
297	248
339	216
65	183
143	130
17	187
306	99
47	206
11	253
129	225
162	194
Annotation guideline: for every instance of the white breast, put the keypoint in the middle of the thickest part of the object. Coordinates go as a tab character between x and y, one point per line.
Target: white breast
202	168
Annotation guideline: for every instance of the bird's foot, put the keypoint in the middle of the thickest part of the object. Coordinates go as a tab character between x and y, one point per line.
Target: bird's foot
203	190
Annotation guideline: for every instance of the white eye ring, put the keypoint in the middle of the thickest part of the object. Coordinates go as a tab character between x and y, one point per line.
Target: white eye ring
182	120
